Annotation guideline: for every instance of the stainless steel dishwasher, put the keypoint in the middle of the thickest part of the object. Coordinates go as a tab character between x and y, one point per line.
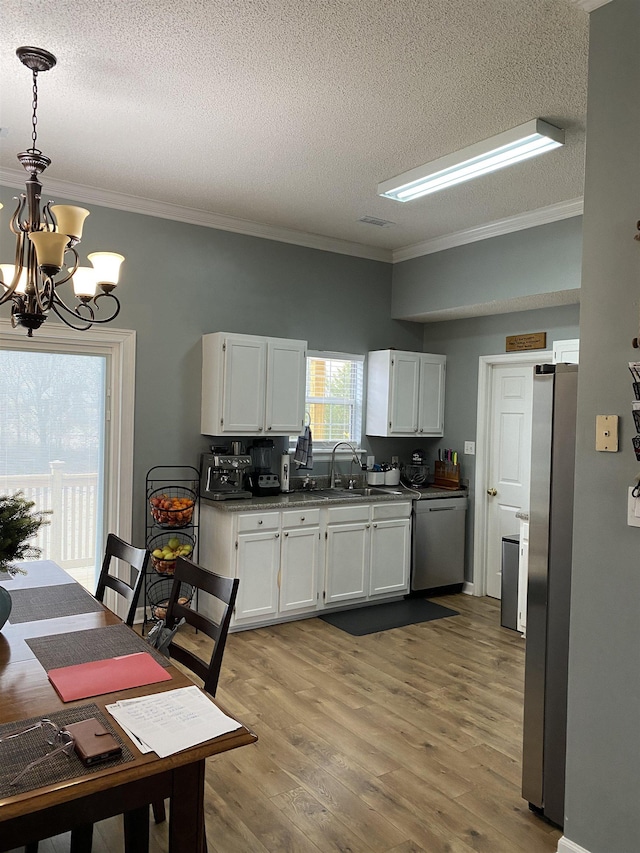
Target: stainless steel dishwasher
438	542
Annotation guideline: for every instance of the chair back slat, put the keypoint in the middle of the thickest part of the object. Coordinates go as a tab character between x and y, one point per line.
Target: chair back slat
224	590
137	559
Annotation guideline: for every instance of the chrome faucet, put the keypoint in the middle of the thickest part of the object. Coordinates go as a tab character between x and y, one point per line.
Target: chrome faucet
332	474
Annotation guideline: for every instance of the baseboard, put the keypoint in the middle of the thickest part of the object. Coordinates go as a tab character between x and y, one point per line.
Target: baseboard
565	845
468	588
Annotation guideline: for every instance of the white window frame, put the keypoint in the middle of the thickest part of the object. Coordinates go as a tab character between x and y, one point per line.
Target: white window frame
322	449
119	346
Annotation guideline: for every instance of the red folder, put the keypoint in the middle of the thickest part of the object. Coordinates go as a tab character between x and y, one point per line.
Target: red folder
106	676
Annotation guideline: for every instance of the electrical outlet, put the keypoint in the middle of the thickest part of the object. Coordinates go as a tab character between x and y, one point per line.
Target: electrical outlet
470	448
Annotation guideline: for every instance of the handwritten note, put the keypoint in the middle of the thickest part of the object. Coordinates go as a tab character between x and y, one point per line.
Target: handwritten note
171	721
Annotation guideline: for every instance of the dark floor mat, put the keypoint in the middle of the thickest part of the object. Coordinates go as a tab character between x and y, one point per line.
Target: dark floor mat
382	617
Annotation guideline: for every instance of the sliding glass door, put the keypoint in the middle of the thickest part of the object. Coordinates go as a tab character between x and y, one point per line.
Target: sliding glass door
67	401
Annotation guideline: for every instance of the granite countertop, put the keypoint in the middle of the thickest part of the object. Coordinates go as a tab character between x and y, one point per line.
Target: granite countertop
321	498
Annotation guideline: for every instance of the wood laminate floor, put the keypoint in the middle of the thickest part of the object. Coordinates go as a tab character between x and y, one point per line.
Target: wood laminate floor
407	741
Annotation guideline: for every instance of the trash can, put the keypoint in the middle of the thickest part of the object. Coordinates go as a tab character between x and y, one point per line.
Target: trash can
509	586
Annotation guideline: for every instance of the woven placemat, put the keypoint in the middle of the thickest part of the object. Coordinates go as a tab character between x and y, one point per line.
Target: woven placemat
51	602
112	641
15	754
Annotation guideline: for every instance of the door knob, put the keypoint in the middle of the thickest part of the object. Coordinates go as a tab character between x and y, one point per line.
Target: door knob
492	492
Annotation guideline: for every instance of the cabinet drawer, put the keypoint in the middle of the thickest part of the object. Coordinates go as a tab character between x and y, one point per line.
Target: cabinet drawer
348	513
393	509
300	517
258	521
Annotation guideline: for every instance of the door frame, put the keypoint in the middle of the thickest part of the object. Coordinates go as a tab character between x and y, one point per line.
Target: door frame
119	345
486	364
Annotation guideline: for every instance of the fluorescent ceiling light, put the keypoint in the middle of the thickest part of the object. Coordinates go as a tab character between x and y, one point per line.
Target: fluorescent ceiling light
527	140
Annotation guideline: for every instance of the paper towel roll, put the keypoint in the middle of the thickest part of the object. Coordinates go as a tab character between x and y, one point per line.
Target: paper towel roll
285	468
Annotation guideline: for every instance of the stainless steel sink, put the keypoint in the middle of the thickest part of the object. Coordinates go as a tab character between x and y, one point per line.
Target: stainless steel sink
367	491
342	494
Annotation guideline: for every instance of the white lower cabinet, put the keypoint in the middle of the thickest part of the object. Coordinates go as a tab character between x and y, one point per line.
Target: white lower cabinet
347	554
390	555
368	552
299	560
258	564
291	562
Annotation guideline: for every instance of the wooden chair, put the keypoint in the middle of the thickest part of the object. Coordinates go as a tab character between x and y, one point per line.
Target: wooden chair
137	558
224	591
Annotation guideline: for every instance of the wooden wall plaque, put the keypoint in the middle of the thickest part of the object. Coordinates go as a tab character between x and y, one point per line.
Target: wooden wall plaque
536	340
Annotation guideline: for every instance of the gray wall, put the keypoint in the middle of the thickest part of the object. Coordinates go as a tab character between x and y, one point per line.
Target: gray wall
603	753
180	281
524	264
463	342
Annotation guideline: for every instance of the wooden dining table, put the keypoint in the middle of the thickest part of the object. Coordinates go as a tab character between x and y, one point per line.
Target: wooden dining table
128	788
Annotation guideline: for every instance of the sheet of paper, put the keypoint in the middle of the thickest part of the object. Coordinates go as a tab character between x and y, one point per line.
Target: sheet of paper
173	720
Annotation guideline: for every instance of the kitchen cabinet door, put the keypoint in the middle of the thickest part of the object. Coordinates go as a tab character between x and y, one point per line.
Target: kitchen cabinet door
347	562
257	567
390	555
405	389
233	384
405	393
299	569
431	397
244	384
285	387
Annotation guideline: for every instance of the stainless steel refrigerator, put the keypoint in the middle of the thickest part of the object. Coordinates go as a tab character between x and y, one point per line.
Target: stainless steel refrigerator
549	588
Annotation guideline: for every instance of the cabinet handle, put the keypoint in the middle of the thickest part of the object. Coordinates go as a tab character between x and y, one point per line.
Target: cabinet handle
277	535
286	534
260	521
302	518
268	427
368	526
375	525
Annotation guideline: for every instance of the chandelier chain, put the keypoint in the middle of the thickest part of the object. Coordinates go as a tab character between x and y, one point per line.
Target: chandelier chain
34	117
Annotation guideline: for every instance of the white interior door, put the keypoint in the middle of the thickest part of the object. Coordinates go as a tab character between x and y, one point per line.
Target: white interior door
509	465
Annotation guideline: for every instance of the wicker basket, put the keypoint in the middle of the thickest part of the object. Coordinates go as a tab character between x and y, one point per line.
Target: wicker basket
172	506
159	592
158	542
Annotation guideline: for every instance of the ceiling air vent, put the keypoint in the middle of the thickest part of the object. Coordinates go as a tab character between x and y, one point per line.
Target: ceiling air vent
373	220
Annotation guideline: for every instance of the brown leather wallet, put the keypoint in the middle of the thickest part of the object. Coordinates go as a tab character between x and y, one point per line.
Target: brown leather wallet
92	742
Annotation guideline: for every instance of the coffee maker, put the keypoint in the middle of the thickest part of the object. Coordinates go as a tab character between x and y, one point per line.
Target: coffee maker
222	475
260	480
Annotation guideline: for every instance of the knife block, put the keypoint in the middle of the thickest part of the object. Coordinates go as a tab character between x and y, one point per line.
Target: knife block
446	475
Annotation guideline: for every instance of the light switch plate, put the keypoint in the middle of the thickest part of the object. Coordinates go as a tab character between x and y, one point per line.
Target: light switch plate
607	433
469	448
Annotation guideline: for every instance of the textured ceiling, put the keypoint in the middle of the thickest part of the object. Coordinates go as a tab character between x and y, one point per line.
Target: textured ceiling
288	113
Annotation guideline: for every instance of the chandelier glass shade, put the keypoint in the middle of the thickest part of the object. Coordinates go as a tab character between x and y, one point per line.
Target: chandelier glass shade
46	240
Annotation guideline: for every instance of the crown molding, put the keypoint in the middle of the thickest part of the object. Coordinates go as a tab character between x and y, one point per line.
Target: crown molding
590	5
530	219
165	210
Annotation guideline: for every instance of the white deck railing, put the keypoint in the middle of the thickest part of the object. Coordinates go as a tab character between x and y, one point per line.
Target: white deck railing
70	537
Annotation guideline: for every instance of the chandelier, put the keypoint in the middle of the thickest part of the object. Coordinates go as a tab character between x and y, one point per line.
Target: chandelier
46	237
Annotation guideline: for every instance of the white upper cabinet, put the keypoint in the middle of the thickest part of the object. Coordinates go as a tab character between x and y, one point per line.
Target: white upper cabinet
252	385
405	393
567	352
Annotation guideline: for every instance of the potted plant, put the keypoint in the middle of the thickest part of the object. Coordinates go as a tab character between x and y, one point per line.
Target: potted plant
18	524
